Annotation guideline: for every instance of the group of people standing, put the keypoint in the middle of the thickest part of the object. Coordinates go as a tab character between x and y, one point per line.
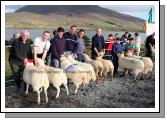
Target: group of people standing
43	47
71	42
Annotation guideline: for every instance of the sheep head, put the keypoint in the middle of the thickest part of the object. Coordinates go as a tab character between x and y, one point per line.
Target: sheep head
99	58
86	57
62	58
40	62
128	53
120	54
28	64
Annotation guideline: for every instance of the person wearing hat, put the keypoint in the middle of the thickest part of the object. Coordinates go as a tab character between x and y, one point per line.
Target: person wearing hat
116	48
137	40
132	47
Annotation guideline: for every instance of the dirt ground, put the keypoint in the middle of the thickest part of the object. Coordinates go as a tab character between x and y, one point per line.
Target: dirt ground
122	92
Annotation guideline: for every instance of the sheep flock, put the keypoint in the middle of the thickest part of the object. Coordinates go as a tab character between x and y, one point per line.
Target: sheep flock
81	73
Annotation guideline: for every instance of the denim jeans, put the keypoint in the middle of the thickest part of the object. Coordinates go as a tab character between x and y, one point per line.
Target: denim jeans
80	57
55	63
48	59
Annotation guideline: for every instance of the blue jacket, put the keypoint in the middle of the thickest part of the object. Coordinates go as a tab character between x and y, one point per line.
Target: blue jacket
116	48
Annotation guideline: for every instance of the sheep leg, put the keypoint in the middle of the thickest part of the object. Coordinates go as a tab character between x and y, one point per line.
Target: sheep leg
98	80
38	92
46	95
124	70
112	74
135	75
101	71
40	89
58	92
149	74
105	74
65	85
76	89
27	86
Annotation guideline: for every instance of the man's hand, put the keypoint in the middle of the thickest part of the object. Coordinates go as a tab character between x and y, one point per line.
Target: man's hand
25	60
98	54
102	54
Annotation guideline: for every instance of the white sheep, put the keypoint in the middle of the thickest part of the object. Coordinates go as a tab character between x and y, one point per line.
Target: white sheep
108	66
37	77
74	72
148	64
127	63
56	76
97	65
88	67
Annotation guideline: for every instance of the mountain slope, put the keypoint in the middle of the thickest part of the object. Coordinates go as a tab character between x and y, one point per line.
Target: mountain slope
84	16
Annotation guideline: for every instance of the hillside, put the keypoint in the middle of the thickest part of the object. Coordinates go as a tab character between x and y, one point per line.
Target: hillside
84	16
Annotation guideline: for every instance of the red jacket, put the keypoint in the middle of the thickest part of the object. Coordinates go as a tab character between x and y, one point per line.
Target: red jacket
109	43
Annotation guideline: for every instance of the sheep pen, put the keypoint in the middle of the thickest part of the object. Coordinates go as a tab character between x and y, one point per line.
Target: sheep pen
122	92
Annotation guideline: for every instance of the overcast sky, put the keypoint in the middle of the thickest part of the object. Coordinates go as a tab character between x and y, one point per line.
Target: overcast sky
140	11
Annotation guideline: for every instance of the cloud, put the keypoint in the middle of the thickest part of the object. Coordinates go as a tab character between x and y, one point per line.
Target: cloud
123	8
12	8
140	11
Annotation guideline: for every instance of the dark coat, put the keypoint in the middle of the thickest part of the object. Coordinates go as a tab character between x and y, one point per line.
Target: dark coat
20	51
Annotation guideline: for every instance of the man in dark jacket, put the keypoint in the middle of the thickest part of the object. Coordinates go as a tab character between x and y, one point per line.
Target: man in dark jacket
57	47
150	42
124	38
19	55
98	44
71	40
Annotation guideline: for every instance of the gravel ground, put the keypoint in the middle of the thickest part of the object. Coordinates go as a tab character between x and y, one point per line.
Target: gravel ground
122	92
